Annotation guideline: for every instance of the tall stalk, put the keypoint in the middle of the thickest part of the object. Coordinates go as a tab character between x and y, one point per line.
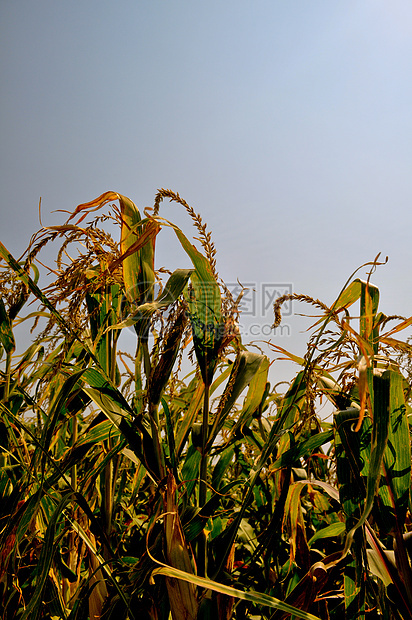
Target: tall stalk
202	541
7	373
204	459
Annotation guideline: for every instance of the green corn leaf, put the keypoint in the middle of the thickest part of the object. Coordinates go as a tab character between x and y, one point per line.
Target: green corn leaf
138	264
352	457
354	585
302	449
115	407
190	469
293	514
58	409
189	417
395	487
349	295
207	329
256	392
379	438
172	290
198	522
330	531
103	307
221	467
263	600
290	409
101	432
205	307
32	286
46	557
248	368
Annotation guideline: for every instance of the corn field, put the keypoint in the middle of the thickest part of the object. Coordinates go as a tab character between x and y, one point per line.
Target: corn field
134	490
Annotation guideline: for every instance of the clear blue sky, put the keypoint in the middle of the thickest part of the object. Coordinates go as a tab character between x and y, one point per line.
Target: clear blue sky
286	124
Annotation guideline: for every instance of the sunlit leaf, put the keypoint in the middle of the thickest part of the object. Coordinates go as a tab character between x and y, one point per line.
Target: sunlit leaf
254	597
247	367
205	310
330	531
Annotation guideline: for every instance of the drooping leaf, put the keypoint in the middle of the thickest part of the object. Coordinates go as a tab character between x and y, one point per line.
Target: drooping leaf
302	449
112	403
172	290
136	244
349	295
304	593
256	391
292	403
330	531
257	598
32	286
247	367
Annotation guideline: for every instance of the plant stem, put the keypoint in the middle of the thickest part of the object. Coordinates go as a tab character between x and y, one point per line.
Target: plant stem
155	428
202	542
7	375
203	462
74	436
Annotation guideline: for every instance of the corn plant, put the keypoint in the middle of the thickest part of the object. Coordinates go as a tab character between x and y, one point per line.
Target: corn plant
132	491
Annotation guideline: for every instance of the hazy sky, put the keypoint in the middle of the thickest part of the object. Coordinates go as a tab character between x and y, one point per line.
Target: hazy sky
286	124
